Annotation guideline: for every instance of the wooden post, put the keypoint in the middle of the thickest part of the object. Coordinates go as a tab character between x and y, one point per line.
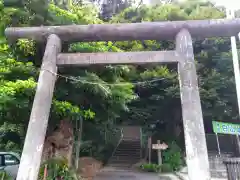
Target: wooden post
159	147
150	149
195	140
238	144
45	172
218	145
34	141
159	154
78	145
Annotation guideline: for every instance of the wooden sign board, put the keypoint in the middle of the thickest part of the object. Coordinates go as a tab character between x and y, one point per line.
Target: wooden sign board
160	146
226	128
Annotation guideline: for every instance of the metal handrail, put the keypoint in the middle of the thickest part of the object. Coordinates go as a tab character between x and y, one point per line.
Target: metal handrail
120	139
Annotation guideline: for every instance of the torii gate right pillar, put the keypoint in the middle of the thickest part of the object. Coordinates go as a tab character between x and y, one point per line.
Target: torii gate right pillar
195	140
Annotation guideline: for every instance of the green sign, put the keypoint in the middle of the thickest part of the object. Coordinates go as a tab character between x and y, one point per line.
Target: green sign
226	128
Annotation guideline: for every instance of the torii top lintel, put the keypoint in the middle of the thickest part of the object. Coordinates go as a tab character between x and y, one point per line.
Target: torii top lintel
165	30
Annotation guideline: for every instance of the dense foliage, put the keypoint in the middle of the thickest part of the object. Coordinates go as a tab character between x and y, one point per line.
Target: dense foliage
173	157
4	175
150	167
56	169
172	160
92	92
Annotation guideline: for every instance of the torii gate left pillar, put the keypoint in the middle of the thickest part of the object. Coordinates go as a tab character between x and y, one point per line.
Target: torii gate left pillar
34	140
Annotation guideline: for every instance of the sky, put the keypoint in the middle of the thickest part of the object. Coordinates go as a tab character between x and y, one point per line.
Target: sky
233	4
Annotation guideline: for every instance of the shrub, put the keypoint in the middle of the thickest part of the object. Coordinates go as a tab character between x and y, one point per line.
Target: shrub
57	168
166	168
150	167
156	168
4	175
173	156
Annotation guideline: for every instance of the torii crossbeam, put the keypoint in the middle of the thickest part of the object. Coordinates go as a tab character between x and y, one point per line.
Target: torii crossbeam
181	31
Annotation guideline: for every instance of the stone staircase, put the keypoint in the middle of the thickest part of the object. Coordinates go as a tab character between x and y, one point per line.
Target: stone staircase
127	154
217	168
229	148
128	151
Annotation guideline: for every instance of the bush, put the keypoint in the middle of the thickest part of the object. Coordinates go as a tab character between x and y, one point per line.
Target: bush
150	167
173	156
166	168
4	175
57	168
156	168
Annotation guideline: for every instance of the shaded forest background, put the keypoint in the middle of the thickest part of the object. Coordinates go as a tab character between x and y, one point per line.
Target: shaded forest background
96	95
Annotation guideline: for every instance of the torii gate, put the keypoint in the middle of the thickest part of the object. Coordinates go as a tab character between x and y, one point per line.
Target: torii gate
182	31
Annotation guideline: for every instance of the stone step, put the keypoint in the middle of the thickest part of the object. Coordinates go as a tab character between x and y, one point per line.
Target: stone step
218	174
122	161
130	142
217	167
119	164
221	174
132	151
109	168
129	146
120	158
132	139
128	149
127	155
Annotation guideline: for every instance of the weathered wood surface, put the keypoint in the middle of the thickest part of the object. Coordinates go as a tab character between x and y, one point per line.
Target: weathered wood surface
86	59
195	140
134	31
34	141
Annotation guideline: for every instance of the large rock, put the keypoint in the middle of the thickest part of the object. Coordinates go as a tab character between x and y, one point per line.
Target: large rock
60	142
89	167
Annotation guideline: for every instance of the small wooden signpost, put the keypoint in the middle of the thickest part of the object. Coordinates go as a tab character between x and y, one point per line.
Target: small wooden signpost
159	147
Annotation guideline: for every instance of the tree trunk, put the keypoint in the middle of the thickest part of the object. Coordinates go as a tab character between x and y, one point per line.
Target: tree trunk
78	145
